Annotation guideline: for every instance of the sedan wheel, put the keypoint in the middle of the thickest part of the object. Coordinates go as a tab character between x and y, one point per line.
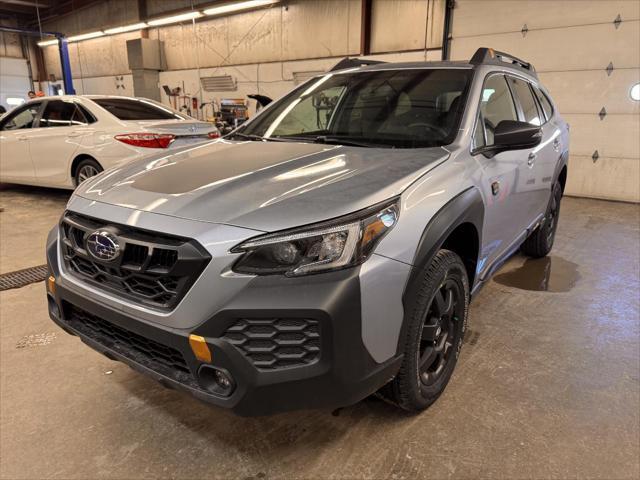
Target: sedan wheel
88	168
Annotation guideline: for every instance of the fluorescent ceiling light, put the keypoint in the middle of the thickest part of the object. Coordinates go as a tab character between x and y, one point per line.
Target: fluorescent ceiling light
127	28
235	7
85	36
47	43
174	18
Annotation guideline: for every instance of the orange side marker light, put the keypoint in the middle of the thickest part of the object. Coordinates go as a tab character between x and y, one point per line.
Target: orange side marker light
200	348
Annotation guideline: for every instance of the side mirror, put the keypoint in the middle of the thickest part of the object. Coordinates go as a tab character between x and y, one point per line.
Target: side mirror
513	135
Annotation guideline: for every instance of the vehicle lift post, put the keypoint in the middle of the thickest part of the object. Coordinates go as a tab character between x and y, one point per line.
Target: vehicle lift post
67	79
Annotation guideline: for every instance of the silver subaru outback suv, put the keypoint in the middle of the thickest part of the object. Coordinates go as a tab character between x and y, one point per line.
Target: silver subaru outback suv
327	249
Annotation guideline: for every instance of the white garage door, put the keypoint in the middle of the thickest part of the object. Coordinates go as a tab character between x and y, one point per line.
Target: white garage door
14	81
571	44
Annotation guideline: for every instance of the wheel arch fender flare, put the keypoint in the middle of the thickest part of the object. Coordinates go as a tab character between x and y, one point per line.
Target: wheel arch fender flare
466	207
562	164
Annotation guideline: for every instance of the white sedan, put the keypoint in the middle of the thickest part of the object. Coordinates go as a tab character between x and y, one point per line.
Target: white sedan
62	141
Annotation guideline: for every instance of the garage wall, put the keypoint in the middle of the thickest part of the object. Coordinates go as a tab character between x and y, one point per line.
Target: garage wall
14	69
406	25
289	31
270	79
571	44
10	45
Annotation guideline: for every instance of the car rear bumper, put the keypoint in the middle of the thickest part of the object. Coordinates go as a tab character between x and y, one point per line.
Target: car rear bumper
325	312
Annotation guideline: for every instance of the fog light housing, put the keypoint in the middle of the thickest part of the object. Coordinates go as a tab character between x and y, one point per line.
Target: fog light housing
216	380
223	380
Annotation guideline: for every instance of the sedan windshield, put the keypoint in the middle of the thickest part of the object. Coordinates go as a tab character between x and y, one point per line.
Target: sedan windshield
391	108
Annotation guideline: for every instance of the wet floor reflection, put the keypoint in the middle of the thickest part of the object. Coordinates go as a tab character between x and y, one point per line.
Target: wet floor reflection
547	274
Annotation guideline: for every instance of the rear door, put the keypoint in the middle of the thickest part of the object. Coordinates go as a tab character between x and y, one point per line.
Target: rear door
62	126
15	159
506	204
536	175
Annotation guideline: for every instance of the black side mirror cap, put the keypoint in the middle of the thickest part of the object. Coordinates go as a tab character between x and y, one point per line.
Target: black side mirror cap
514	135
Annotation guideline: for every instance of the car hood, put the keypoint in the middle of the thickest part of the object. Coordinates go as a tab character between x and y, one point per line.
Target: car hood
265	186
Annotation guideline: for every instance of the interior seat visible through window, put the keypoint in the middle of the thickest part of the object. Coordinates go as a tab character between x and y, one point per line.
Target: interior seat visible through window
526	100
496	105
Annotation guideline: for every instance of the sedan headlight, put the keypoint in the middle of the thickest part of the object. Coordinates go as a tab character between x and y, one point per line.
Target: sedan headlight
340	243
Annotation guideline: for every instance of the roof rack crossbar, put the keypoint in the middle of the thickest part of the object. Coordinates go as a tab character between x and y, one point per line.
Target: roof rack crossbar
490	56
347	62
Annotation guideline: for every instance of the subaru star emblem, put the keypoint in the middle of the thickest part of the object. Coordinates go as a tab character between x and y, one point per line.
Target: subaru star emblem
103	245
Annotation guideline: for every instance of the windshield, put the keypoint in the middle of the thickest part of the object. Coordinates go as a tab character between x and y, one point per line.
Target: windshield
133	109
397	108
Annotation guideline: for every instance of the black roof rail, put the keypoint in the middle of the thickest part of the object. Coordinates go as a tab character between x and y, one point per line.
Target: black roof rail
489	56
347	62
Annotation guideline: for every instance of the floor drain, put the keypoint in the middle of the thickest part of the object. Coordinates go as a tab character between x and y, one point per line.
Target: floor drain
20	278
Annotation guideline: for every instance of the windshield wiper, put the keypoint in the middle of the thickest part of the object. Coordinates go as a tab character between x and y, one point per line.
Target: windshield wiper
347	142
255	138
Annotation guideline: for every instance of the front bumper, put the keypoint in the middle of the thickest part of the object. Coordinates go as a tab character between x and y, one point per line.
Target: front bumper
342	374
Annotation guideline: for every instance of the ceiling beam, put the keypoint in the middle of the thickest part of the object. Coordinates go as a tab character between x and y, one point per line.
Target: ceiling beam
28	3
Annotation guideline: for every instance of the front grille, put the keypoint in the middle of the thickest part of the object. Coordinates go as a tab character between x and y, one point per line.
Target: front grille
144	351
152	269
276	342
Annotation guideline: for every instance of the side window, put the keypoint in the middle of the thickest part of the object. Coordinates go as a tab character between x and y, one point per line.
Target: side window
496	105
527	102
544	102
81	116
58	113
23	117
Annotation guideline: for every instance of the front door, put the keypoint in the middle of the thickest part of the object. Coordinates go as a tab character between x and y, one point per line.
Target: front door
15	159
537	173
53	144
507	201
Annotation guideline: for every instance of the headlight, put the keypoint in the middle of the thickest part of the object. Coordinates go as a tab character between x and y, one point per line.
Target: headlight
332	245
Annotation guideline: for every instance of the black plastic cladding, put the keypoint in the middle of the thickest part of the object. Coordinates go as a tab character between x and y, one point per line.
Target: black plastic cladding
467	207
161	358
272	343
154	270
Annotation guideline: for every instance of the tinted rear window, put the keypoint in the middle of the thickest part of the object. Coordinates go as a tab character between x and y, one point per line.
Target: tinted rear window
125	109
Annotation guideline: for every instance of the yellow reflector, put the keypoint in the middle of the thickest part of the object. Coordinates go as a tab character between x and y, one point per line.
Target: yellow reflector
200	348
51	284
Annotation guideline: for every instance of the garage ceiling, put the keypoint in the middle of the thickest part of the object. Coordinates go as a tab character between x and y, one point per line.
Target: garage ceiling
24	13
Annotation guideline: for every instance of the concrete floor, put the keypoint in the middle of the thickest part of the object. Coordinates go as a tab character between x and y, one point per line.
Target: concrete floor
547	385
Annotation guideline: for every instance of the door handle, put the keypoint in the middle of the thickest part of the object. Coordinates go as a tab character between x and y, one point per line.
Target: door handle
23	138
532	159
74	134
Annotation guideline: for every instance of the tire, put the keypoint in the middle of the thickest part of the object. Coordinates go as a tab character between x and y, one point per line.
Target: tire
434	333
87	168
540	242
